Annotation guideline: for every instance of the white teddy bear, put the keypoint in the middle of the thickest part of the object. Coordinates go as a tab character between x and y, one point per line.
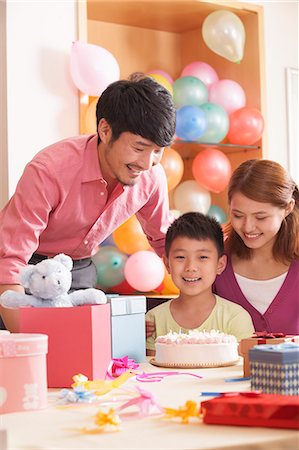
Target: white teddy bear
49	282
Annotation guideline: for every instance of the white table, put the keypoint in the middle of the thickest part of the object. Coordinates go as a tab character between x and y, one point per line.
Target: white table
54	429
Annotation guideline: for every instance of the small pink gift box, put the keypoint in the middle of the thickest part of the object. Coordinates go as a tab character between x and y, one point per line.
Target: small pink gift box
23	374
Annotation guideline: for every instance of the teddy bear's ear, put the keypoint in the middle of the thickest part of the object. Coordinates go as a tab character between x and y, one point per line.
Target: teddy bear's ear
65	260
25	275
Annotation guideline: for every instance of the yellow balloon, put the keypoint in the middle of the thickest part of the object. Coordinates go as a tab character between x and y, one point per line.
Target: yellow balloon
90	119
130	238
169	286
161	80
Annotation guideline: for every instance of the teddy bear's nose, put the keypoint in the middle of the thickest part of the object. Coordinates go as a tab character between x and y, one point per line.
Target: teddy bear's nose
44	276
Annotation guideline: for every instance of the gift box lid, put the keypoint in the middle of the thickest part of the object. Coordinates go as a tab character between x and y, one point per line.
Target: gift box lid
287	352
23	344
126	304
263	337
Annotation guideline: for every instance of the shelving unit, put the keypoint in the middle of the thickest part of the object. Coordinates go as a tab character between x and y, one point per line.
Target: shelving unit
145	35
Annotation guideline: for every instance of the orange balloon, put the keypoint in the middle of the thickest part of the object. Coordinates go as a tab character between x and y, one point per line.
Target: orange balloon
246	126
173	165
169	286
90	119
130	238
211	169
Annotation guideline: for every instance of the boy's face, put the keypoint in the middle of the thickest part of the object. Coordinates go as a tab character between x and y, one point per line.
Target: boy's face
194	264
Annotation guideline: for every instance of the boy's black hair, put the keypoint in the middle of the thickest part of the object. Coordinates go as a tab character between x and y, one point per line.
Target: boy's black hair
195	225
140	106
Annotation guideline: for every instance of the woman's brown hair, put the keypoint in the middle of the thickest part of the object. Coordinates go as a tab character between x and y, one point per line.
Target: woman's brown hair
266	181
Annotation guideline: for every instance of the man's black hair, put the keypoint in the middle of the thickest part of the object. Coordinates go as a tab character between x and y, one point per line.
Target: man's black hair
195	225
142	107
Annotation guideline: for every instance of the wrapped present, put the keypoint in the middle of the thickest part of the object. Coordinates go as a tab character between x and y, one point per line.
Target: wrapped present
275	368
260	338
79	340
252	409
128	326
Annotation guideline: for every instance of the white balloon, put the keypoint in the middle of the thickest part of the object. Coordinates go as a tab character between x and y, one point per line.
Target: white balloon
224	33
190	196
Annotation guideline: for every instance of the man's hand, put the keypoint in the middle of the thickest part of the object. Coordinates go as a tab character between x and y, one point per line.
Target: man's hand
149	328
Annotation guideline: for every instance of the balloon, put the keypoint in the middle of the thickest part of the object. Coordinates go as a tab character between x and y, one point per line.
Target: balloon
224	33
163	73
218	214
109	262
129	237
191	123
189	196
217	123
189	91
168	285
173	165
246	126
228	94
211	168
144	271
90	118
93	68
201	70
162	80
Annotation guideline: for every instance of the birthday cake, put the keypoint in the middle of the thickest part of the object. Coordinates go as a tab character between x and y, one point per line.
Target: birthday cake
196	349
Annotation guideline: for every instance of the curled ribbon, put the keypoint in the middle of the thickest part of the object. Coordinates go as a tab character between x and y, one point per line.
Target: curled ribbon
145	402
105	422
190	409
118	366
101	387
153	377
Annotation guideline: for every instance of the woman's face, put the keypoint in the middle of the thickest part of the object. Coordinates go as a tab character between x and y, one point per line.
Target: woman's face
256	223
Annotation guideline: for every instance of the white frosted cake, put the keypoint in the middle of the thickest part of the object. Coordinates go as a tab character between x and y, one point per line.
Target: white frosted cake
197	348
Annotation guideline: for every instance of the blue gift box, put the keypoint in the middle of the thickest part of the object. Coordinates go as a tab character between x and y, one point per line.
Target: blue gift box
128	326
275	368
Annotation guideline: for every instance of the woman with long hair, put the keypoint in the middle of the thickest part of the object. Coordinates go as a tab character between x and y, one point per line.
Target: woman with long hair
262	245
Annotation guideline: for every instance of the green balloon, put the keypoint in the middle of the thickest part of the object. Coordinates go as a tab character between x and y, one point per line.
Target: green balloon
189	91
109	262
218	123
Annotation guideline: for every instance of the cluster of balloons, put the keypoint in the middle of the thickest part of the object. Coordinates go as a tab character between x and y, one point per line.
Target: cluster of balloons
126	263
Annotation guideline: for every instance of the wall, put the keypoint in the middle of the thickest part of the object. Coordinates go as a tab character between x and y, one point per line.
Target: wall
42	103
281	51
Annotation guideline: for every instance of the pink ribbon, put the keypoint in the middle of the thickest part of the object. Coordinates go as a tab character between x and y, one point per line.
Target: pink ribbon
267	335
145	402
118	366
159	376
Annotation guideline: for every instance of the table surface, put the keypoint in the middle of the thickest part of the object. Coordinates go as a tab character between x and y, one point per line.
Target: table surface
55	428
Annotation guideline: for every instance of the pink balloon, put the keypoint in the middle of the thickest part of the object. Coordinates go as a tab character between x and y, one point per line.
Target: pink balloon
144	271
93	68
201	70
163	73
228	94
211	168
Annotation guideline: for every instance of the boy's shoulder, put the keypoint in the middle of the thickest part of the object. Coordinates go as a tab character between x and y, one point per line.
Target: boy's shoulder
228	305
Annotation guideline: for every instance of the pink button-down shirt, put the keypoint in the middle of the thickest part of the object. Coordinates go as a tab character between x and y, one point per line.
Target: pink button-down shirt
61	205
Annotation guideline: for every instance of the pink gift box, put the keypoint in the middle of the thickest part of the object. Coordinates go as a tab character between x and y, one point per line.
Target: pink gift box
79	340
23	374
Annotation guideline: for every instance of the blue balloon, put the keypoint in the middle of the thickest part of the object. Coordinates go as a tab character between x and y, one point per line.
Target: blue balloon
218	214
191	123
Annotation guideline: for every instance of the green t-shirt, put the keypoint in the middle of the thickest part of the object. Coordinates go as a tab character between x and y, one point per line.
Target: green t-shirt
226	316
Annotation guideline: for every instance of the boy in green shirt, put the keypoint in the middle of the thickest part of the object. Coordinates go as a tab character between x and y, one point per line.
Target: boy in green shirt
194	256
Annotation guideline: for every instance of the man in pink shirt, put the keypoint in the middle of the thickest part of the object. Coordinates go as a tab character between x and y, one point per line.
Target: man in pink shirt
75	193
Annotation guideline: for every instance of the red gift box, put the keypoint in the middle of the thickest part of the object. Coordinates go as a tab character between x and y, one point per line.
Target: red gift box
252	410
259	338
79	340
